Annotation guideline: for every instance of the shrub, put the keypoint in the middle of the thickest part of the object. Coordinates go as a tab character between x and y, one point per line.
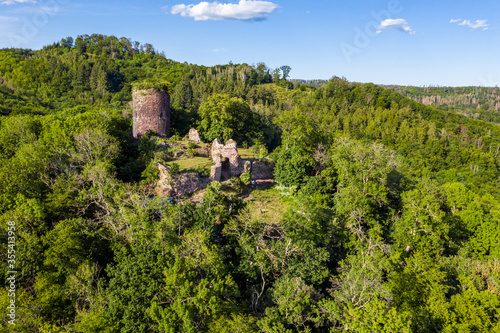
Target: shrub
293	166
245	178
153	84
202	170
192	152
150	175
174	169
174	138
257	147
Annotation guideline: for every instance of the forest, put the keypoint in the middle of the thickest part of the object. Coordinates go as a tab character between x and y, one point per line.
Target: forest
475	102
385	215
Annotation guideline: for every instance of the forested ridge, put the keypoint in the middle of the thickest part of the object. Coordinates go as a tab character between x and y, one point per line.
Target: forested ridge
385	216
475	102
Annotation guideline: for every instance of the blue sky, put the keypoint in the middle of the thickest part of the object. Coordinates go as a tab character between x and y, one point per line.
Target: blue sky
410	42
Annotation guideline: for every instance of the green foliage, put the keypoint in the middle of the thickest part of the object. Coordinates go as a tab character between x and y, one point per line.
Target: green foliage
293	166
196	291
192	152
245	178
294	306
153	84
141	270
174	169
224	118
236	323
376	317
473	102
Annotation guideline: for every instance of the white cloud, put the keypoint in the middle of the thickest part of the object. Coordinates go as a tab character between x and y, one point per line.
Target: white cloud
214	11
473	25
399	24
12	2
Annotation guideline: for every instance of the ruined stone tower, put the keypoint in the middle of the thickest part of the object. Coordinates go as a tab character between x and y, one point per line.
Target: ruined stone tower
151	112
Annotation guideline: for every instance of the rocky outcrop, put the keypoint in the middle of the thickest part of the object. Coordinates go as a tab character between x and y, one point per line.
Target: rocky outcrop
179	185
194	136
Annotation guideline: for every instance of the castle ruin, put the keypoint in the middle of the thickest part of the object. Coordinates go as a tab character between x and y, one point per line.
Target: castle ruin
227	161
151	112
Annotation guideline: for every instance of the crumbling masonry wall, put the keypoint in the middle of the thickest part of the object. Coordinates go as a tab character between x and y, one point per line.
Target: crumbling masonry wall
258	169
229	152
151	112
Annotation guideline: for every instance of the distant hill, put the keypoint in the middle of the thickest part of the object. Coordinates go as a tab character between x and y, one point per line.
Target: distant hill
474	102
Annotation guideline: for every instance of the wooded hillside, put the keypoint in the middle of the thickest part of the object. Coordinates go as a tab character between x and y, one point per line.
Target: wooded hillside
385	216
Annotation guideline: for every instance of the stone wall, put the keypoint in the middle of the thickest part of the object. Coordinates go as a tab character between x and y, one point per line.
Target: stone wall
262	170
229	151
151	112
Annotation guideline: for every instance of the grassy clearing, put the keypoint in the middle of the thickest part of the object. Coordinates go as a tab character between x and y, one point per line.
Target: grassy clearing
188	163
247	154
268	205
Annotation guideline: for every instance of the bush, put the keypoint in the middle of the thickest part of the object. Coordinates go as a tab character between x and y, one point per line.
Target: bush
293	166
150	175
192	152
257	147
174	169
192	145
147	146
234	181
245	178
174	138
153	84
263	152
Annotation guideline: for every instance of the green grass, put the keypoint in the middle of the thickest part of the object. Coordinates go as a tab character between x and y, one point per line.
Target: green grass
247	154
188	163
268	205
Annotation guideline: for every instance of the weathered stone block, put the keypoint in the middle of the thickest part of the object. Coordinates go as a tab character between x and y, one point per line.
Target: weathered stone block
194	136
